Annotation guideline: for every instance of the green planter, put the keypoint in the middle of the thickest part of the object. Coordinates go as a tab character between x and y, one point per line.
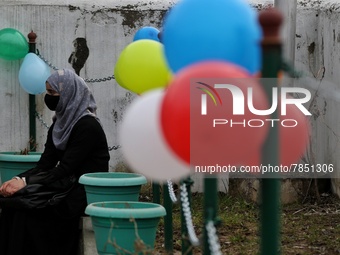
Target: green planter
112	186
125	227
13	163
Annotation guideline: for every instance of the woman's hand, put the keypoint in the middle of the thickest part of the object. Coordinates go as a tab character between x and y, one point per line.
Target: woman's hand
10	187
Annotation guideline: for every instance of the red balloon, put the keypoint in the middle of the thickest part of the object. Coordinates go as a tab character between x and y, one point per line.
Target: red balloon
222	131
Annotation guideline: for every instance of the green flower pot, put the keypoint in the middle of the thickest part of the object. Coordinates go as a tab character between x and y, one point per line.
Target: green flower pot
13	163
125	227
112	186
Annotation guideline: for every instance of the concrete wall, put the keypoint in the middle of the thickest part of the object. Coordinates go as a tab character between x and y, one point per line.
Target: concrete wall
318	55
109	26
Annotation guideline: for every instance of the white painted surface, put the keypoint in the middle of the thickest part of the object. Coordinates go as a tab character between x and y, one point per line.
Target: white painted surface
318	55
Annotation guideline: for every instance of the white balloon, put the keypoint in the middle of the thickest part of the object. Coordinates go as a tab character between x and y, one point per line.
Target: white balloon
143	145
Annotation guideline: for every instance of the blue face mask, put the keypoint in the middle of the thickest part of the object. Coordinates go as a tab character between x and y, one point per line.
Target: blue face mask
51	101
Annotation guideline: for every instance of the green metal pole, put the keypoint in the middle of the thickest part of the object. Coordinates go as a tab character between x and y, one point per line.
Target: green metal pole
156	196
168	231
186	245
270	21
210	208
32	106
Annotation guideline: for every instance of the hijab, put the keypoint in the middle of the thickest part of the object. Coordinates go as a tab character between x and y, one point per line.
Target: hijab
76	101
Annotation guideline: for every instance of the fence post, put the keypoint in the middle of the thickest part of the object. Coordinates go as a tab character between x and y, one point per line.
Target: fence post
168	229
32	106
156	197
270	21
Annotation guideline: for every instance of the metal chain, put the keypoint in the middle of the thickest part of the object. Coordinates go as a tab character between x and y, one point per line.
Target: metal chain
171	192
39	117
46	61
86	80
114	147
99	79
214	245
187	215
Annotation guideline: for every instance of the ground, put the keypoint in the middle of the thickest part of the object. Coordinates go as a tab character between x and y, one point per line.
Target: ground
307	228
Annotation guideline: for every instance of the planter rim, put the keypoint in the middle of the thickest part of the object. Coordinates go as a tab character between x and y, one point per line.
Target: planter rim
112	179
149	210
13	156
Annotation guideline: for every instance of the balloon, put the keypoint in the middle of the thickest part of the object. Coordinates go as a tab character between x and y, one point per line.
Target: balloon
143	144
208	30
13	44
147	33
141	67
33	74
293	139
219	136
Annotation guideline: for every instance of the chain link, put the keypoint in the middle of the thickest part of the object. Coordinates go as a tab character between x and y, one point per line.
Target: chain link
187	215
39	117
214	245
114	147
100	79
46	61
96	80
171	192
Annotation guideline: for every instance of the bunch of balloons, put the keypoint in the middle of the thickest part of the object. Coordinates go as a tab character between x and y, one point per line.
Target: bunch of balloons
182	119
33	71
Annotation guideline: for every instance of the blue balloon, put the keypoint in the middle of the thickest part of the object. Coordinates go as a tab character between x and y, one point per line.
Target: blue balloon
150	33
202	30
33	74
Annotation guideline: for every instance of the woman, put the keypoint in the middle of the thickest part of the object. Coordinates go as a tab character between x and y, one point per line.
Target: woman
76	144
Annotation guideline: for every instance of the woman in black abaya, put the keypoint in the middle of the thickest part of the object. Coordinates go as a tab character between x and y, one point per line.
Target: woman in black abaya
76	144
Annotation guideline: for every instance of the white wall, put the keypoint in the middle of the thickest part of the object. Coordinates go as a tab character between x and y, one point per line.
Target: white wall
108	27
318	55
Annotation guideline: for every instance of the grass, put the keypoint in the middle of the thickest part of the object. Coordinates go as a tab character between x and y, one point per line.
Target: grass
307	228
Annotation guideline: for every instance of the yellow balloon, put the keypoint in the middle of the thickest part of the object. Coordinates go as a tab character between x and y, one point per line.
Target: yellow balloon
141	66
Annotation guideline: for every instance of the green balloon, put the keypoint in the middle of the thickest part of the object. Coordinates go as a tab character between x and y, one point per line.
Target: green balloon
13	45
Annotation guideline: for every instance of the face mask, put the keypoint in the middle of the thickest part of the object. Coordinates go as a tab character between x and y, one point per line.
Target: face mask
51	101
